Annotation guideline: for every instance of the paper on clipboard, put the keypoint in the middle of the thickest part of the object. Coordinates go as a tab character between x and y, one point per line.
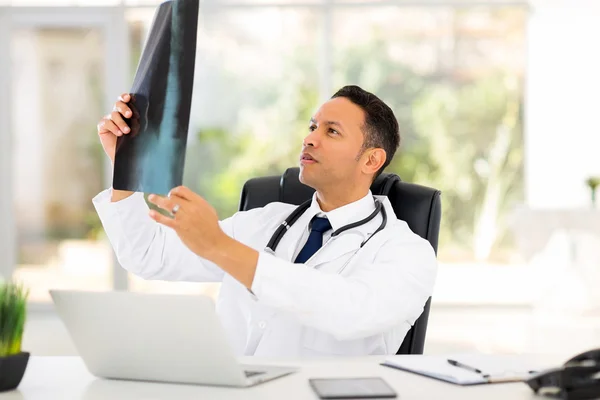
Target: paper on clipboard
499	368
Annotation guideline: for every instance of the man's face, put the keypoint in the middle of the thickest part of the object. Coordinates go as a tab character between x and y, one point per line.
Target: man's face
334	141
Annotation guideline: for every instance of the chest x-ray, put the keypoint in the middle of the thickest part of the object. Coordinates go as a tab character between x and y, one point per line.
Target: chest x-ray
151	158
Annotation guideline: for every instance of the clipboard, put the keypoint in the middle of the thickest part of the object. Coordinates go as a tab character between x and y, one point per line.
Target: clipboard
493	369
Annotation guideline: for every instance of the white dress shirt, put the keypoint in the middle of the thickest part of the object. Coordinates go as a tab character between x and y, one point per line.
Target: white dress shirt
342	301
337	218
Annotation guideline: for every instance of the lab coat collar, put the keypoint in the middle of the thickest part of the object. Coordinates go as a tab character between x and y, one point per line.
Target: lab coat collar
334	254
344	215
391	214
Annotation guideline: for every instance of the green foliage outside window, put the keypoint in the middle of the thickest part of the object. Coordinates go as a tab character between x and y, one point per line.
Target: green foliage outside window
463	137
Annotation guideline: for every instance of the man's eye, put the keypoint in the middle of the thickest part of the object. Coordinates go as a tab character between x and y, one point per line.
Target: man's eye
334	131
312	128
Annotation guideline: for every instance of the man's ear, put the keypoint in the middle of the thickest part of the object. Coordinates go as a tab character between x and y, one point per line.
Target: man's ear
374	160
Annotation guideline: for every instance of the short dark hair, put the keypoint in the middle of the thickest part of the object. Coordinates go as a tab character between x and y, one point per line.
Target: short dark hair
381	126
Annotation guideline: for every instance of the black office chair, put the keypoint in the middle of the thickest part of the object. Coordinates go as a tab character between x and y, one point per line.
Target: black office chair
419	206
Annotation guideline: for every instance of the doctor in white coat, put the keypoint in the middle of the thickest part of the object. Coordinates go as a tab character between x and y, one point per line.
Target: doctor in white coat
326	288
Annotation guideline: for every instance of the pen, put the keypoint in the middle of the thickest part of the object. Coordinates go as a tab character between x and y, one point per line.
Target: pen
467	367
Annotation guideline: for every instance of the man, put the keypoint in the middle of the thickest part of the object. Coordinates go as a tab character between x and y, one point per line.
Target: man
318	293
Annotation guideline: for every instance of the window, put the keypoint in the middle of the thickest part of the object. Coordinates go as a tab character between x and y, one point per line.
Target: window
57	160
453	75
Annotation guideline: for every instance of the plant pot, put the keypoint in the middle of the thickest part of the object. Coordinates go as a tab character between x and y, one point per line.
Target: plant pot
12	369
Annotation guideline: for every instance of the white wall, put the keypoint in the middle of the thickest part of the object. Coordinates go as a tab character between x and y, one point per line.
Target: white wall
563	102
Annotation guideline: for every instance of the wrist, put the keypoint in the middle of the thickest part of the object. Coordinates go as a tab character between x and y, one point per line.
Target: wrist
221	247
235	258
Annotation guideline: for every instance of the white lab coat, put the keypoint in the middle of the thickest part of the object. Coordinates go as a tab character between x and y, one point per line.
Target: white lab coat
293	310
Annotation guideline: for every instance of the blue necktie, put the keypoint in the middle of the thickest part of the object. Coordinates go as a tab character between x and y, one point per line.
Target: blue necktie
315	239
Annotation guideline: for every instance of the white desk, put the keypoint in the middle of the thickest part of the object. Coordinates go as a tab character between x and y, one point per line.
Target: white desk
66	378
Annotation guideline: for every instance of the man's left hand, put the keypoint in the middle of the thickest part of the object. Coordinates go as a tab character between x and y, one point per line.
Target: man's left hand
194	219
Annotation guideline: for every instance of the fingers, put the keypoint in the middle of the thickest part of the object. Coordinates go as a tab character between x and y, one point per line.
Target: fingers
118	120
161	219
184	193
106	125
114	121
125	98
123	109
165	203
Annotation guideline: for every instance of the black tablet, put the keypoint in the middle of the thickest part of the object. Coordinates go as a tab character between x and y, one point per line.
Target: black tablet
352	388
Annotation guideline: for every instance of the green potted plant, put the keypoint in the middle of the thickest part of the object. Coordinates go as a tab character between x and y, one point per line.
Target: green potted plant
593	183
13	361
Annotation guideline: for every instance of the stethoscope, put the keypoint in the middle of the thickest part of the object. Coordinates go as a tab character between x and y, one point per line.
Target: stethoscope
293	217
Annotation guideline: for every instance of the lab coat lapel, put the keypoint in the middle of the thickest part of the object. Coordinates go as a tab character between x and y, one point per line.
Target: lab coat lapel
348	242
344	244
289	243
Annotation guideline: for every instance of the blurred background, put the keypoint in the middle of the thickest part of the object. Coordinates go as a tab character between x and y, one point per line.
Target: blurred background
496	101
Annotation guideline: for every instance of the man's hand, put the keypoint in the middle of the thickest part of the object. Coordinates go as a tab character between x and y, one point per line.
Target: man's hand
113	125
110	128
196	223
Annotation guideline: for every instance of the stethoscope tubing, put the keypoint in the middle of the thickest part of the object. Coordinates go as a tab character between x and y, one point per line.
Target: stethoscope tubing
293	217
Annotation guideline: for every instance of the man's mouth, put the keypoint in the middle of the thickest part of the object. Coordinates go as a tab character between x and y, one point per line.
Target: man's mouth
306	158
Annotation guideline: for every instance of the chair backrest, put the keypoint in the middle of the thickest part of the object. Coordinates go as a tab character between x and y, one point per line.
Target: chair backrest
419	206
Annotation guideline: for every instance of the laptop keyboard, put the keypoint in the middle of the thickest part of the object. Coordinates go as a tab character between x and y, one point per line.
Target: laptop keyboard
253	373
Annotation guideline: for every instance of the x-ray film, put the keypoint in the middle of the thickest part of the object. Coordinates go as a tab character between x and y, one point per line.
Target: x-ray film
150	159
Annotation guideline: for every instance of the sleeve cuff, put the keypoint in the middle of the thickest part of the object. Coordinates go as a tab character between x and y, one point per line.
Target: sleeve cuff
273	277
263	269
102	201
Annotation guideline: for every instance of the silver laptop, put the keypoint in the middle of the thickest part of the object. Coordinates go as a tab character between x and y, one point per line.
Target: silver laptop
154	337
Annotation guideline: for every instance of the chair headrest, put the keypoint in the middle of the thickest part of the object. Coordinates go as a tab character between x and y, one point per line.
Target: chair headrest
384	183
291	190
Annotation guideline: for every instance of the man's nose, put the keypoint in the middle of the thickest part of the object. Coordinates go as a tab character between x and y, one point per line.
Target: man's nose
312	139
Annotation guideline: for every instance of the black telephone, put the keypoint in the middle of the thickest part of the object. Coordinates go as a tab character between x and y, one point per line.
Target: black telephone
576	379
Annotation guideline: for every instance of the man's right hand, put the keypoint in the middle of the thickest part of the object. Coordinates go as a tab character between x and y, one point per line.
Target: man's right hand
113	125
109	128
